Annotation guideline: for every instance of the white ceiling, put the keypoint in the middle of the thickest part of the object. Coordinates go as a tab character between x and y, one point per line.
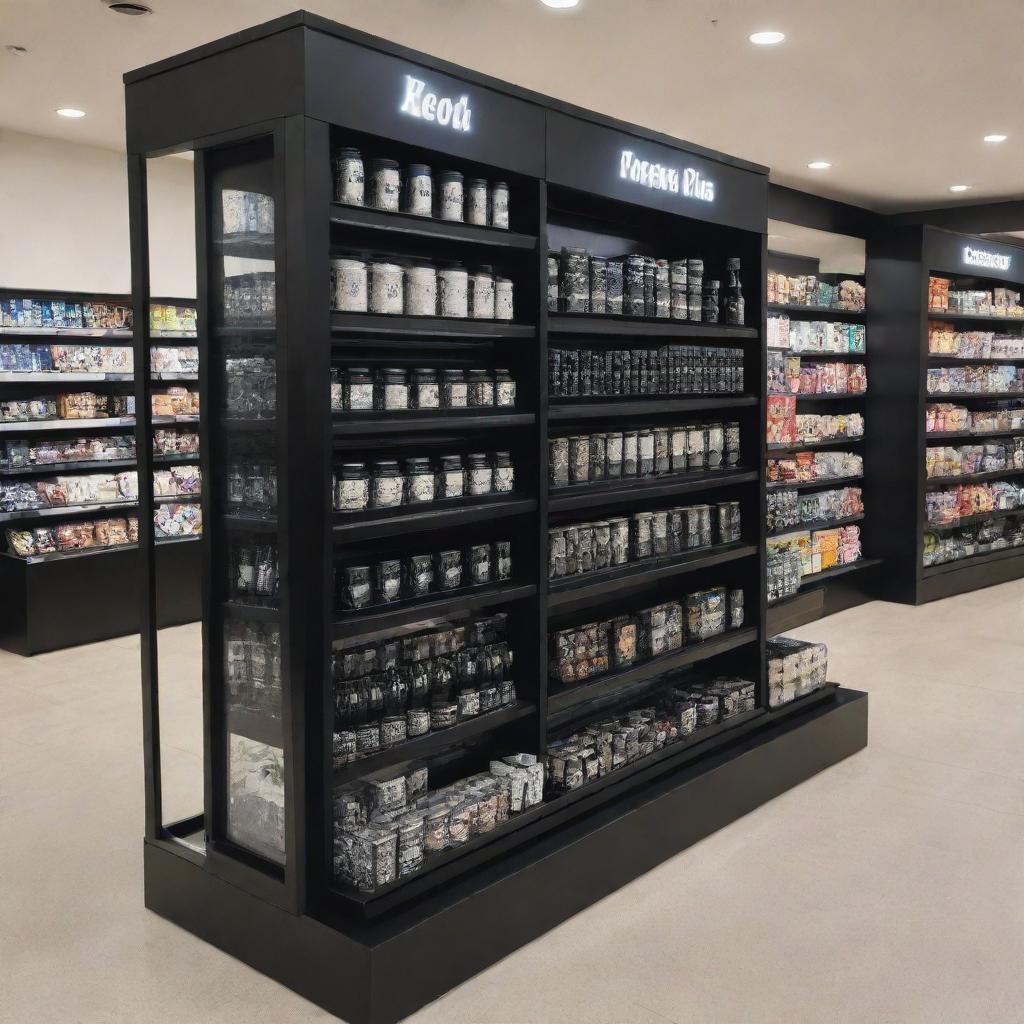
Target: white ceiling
895	93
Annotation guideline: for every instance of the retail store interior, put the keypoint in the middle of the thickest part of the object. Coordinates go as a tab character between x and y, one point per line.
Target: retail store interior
510	511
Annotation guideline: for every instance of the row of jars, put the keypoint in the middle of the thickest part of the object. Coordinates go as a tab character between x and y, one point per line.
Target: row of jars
415	189
418	482
380	284
359	389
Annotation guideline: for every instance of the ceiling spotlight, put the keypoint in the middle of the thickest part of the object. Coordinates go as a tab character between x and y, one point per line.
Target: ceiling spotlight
16	51
959	188
560	5
819	165
995	138
767	38
70	112
126	7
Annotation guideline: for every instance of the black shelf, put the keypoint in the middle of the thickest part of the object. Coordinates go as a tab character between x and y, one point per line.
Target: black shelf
621	683
642	573
374	424
817	524
819	312
104	423
981	517
59	468
971	435
403	225
437	606
427	326
961	396
941	482
250	612
175	459
84	335
972	561
630	490
176	499
256	726
849	396
808	485
358	526
610	324
839	570
942	360
55	377
433	742
255	524
833	442
104	508
585	409
981	317
824	357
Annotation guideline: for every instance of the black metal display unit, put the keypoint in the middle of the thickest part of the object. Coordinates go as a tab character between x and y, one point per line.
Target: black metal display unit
900	262
60	599
263	885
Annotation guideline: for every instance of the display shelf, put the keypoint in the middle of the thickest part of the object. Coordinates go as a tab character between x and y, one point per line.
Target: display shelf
58	468
635	489
938	359
641	573
962	396
987	318
817	524
832	442
428	326
238	612
970	435
14	377
373	423
83	425
684	330
159	337
983	558
379	618
84	334
622	682
254	524
259	726
176	499
172	375
823	357
809	485
939	482
67	510
400	225
438	515
839	570
847	397
981	517
433	742
59	556
172	459
819	312
585	409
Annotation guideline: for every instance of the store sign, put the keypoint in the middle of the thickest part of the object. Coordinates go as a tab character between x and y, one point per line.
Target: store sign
424	105
687	182
983	258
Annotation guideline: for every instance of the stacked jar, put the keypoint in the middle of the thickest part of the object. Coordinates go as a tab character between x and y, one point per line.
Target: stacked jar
423	388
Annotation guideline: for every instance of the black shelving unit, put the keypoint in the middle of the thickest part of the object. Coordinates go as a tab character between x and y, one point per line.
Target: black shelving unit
901	260
272	899
62	599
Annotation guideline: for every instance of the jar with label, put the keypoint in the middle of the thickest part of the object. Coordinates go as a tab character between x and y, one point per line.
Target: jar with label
417	721
633	286
732	444
558	462
419	191
677	449
385	184
579	459
352	488
387	487
386	288
425	392
504	306
552	282
356	591
419	580
630	453
716	445
337	391
504	390
419	481
650	275
497	206
453	290
696	447
421	289
645	452
504	474
481	293
618	541
478	561
502	560
348	281
454	392
449	196
389	580
479	474
448	569
662	289
476	201
481	386
662	459
451	479
709	306
358	389
574	280
659	533
393	392
735	609
642	543
597	457
613	456
734	311
598	284
348	177
613	287
678	302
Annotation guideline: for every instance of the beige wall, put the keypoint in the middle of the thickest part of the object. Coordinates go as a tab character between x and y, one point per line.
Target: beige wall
64	219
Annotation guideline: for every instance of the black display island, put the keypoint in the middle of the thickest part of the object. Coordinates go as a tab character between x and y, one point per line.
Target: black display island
484	527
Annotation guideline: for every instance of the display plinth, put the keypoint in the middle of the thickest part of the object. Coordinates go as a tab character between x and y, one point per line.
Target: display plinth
379	973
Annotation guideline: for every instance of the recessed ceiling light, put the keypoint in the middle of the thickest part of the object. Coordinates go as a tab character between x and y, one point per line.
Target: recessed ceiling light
995	138
819	165
70	112
959	188
126	7
767	38
560	5
16	51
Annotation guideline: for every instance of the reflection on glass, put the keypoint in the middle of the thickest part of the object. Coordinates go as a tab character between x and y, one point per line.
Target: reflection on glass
250	387
256	796
252	668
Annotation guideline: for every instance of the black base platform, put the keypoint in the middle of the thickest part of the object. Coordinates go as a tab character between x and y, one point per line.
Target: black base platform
379	972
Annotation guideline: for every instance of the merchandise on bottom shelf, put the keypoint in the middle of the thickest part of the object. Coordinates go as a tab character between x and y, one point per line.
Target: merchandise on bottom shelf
789	509
405	687
250	387
947	507
58	359
668	370
790	375
974	379
56	313
820	549
24	454
389	826
58	491
795	667
588	547
175	442
67	405
583	652
173	520
670	715
357	389
975	539
945	340
421	480
252	668
986	302
815	336
968	459
646	452
175	359
175	401
76	536
943	417
783	573
414	576
809	290
253	576
809	467
786	427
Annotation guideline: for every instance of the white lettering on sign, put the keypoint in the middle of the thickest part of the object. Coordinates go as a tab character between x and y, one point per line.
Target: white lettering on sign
983	258
689	182
428	106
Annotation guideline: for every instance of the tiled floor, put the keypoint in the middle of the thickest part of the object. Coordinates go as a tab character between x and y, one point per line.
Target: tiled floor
888	889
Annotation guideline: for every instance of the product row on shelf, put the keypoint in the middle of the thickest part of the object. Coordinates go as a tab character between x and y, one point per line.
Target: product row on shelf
978	538
89	405
814	468
973	459
91	314
394	389
790	510
819	550
815	336
787	427
977	380
791	375
810	290
947	507
1002	301
949	418
945	340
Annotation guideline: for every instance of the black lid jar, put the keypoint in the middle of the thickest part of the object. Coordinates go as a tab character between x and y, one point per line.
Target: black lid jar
504	475
419	190
387	486
394	389
479	474
504	389
709	307
357	392
451	477
476	201
448	204
419	481
385	184
481	389
425	390
454	391
352	488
